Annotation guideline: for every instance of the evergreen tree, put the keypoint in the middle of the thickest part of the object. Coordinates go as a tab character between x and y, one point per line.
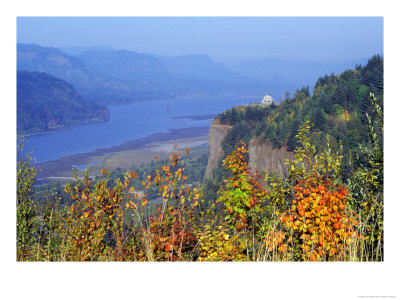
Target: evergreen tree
318	119
372	73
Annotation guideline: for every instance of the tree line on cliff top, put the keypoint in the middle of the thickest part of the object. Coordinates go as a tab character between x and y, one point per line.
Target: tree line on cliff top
337	112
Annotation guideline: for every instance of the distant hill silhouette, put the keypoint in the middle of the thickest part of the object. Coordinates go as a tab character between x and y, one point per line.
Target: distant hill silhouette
46	103
104	75
120	76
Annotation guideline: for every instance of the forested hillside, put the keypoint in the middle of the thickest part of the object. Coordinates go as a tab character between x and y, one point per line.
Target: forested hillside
337	111
47	103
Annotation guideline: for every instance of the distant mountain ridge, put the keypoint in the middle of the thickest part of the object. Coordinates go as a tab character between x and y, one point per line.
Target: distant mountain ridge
35	58
50	60
201	66
78	50
46	103
104	75
121	76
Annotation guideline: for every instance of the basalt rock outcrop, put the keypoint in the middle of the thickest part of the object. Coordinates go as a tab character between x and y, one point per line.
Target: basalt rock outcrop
216	135
263	157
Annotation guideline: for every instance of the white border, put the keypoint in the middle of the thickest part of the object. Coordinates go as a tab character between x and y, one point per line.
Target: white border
194	280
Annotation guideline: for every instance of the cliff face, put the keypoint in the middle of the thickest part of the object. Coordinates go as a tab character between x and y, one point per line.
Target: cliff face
262	156
215	153
102	114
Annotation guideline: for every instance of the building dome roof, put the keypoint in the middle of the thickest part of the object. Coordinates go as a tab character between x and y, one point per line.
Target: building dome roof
267	100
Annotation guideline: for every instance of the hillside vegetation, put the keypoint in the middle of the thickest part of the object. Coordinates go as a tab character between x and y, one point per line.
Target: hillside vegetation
46	103
337	111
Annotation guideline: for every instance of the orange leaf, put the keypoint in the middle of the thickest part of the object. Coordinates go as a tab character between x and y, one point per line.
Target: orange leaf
299	206
187	151
104	171
175	146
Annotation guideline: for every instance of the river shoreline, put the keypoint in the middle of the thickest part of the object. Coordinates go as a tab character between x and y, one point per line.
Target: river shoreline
140	149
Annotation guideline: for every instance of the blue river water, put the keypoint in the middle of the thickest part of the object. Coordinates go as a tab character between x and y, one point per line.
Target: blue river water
130	122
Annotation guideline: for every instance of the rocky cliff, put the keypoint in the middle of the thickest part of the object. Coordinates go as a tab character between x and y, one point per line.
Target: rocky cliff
215	153
101	114
262	156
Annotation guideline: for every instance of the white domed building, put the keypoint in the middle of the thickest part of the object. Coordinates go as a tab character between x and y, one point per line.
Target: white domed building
267	100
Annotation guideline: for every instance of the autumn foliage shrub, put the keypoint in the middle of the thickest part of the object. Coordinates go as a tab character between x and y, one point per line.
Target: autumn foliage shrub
322	226
170	235
242	195
321	222
366	185
219	244
25	212
94	222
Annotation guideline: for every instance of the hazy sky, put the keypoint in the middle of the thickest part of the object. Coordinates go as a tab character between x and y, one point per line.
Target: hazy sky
224	39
